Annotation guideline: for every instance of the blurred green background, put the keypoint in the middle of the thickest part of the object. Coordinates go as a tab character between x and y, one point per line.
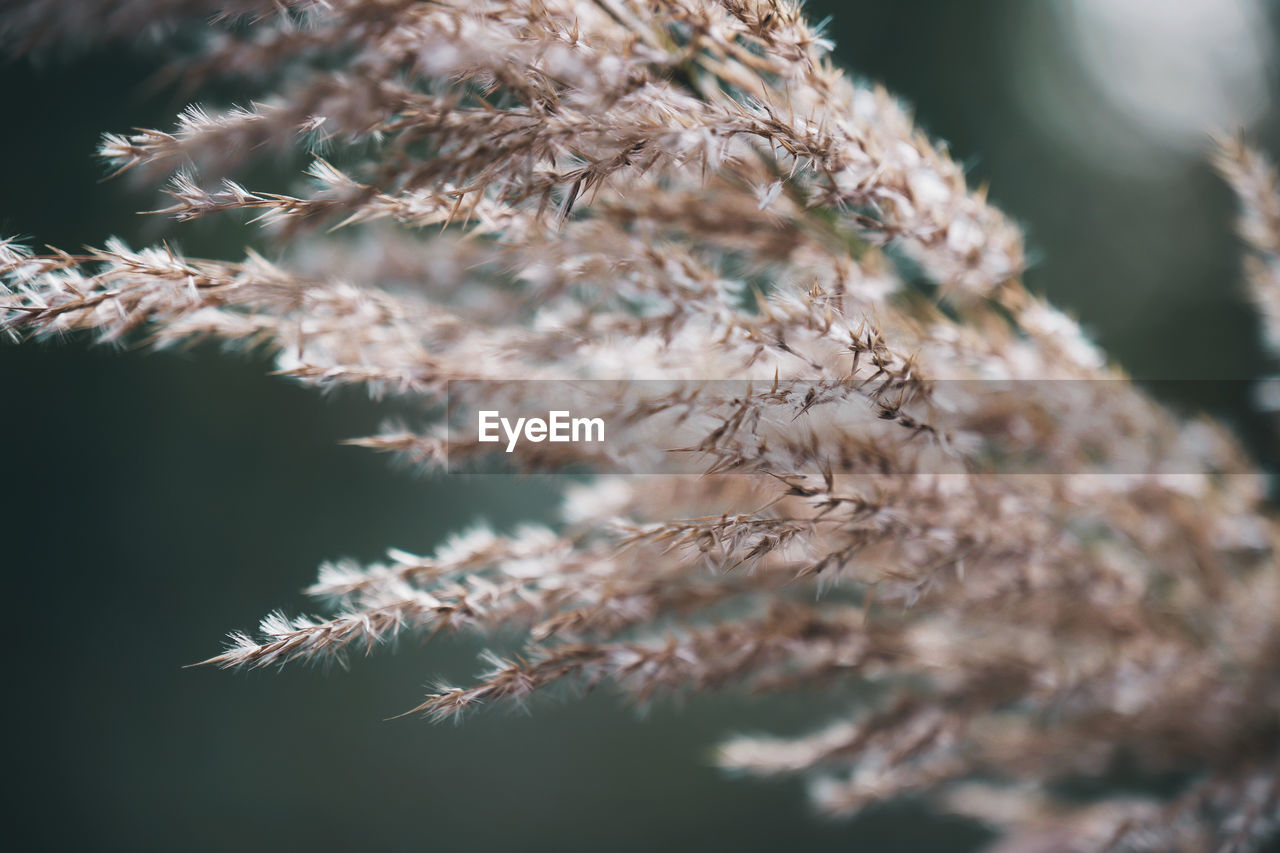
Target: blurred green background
152	502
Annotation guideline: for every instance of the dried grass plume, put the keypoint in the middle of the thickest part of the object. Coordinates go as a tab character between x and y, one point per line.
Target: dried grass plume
690	190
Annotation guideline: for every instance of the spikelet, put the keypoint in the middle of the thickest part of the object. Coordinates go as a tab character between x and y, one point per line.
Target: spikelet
688	192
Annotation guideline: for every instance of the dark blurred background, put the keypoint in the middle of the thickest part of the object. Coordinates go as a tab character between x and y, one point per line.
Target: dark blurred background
152	502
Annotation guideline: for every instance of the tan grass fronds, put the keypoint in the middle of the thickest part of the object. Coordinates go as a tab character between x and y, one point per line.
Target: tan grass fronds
690	192
1253	177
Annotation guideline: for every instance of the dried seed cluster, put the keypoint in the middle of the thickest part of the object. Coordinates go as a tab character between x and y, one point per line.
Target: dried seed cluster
690	190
